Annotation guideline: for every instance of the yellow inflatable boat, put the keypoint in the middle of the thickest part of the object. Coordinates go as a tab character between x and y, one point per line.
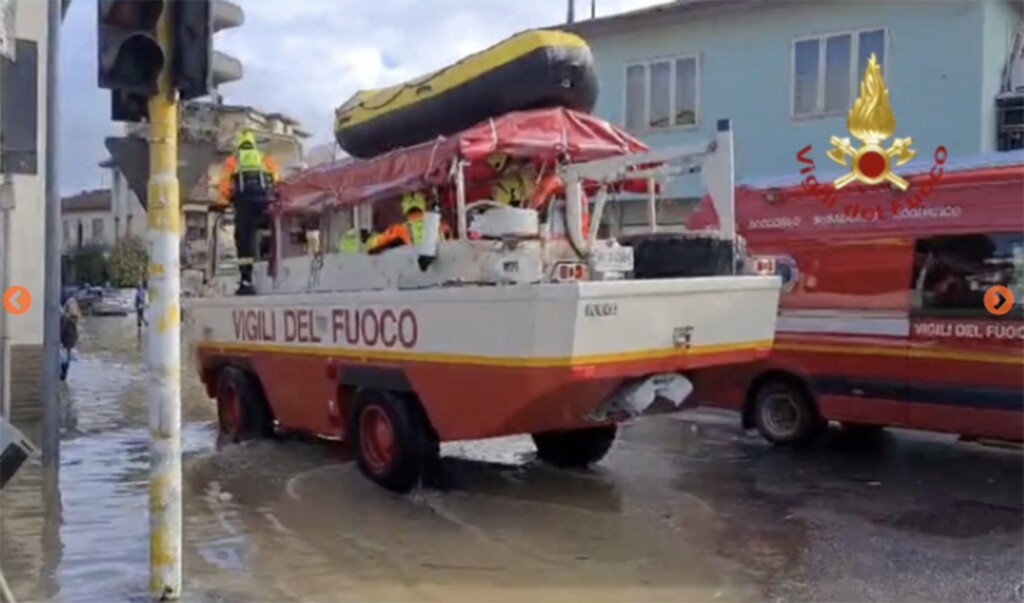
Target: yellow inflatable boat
530	70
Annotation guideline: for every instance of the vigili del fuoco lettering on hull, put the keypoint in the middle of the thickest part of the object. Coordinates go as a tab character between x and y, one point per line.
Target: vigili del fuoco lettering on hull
372	327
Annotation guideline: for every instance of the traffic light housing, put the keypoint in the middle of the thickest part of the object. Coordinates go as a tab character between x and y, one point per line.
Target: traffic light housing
130	56
198	69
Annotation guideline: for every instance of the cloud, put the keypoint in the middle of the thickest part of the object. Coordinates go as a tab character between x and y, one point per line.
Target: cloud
305	57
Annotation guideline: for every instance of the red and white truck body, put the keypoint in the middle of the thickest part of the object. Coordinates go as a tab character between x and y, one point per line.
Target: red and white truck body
538	328
883	321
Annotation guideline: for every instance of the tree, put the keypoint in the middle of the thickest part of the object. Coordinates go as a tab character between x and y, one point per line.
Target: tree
87	265
128	262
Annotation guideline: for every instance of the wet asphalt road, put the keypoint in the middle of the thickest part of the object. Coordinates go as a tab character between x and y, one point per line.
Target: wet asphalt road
685	508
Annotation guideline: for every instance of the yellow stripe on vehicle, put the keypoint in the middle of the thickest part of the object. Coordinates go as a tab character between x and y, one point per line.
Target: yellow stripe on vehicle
501	361
386	100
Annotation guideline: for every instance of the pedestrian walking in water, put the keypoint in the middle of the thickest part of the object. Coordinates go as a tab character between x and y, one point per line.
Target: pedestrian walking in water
69	317
140	306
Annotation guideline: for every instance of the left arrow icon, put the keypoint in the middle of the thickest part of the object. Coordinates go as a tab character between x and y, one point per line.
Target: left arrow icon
17	300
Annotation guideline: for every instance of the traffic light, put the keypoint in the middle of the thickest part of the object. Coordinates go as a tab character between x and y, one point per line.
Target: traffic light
198	68
130	56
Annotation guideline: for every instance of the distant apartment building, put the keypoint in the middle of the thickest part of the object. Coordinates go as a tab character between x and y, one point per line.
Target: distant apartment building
213	127
101	217
323	153
23	47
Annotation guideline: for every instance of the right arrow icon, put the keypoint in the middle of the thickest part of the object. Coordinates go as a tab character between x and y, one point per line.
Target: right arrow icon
998	300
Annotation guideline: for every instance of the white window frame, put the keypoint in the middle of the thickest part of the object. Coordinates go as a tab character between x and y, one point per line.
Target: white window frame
822	39
646	64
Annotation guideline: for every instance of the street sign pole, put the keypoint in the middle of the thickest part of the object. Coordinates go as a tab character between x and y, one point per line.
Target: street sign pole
51	234
164	338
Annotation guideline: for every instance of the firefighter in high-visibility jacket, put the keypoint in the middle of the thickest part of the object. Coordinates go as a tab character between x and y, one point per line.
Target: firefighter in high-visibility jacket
516	181
407	232
247	182
353	240
520	185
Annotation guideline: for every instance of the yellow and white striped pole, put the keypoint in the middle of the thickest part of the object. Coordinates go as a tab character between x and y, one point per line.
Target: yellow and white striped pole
164	338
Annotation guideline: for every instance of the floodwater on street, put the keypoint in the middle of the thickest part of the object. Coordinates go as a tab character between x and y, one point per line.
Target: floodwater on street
685	508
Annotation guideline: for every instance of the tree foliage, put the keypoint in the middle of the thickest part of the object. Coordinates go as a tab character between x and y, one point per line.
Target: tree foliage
128	260
87	266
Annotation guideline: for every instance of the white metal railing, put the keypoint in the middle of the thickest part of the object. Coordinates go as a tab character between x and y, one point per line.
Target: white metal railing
713	160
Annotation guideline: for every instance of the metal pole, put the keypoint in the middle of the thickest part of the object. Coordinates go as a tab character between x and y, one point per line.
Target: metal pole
164	339
51	289
6	207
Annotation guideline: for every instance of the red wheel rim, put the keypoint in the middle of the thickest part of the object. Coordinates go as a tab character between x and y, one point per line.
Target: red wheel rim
229	410
376	438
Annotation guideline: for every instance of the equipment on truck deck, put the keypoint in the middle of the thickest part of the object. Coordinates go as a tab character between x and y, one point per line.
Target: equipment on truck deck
531	70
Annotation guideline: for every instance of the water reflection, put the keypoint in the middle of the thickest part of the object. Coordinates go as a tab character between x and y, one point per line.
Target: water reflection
80	533
290	521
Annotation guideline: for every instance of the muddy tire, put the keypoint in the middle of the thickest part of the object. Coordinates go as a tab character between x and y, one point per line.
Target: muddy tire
392	440
575	448
785	414
673	256
242	409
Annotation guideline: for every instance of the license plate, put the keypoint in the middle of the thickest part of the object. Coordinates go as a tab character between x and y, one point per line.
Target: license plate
615	259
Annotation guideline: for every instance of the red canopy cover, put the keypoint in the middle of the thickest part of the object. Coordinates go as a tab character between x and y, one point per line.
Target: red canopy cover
541	135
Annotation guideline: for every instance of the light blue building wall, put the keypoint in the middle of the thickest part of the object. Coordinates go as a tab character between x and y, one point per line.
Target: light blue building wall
943	64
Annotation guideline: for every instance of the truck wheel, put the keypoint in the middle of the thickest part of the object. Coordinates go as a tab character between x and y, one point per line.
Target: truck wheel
392	440
242	409
575	448
785	414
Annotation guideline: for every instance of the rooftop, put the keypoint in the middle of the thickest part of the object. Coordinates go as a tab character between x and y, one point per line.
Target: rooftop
670	11
291	121
94	200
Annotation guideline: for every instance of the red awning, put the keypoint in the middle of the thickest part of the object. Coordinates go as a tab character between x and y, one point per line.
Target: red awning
544	134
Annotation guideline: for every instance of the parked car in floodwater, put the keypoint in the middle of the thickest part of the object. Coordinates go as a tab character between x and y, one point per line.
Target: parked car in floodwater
86	296
114	302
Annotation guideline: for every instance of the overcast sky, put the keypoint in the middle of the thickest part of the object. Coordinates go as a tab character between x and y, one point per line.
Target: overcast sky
305	57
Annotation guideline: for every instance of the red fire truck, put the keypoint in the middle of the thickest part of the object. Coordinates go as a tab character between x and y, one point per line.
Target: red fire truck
883	319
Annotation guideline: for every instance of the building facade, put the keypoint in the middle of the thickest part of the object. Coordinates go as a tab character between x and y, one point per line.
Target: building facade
278	135
87	221
786	74
212	127
101	217
23	91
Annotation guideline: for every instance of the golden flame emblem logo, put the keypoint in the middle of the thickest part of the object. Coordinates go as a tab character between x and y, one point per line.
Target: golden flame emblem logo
871	121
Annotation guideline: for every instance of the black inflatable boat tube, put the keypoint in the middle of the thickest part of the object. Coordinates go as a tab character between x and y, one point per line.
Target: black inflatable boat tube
532	70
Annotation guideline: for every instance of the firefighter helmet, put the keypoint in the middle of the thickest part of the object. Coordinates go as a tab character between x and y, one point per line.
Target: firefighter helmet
498	162
414	201
245	137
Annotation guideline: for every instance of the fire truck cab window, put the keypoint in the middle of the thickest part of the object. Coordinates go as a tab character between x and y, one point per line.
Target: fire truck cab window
952	273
